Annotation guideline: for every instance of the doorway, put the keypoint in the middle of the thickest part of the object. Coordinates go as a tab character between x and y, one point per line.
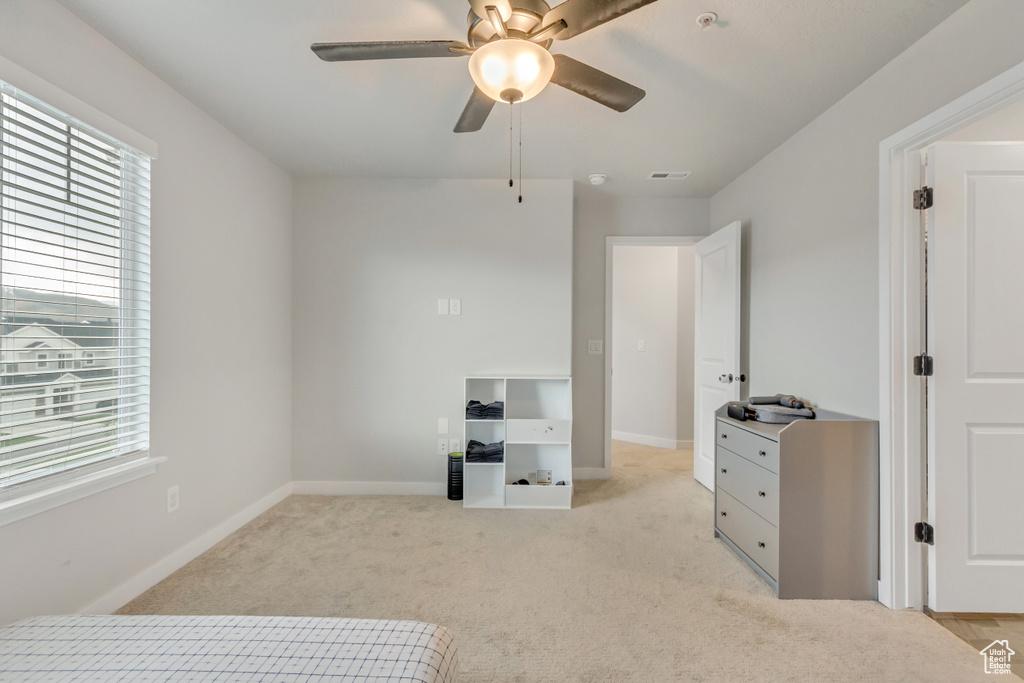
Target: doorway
649	328
906	438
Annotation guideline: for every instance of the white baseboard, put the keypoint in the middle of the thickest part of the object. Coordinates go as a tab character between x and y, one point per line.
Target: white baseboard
369	488
148	578
655	441
590	473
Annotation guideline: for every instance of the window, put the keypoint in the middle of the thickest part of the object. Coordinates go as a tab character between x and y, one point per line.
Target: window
74	274
63	399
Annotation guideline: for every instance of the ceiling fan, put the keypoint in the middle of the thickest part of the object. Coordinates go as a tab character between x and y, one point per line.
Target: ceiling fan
508	45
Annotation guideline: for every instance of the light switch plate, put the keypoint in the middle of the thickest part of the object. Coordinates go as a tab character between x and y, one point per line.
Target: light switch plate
442	306
442	425
595	347
453	445
455	307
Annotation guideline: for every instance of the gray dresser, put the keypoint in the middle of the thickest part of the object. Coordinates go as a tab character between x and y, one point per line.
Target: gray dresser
799	502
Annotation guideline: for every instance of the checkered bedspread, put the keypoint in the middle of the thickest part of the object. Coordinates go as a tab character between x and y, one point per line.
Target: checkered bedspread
220	648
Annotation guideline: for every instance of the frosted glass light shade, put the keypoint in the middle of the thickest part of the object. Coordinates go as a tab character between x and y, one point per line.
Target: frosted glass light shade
511	69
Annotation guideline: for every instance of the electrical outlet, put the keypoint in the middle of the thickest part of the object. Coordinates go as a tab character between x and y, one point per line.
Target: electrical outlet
455	307
172	499
442	446
641	345
454	444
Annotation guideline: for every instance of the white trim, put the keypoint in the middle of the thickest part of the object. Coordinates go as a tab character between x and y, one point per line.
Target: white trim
610	243
153	575
42	90
369	488
656	441
579	473
901	463
41	498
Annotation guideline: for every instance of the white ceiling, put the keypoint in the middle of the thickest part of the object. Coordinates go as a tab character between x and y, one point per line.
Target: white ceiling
717	101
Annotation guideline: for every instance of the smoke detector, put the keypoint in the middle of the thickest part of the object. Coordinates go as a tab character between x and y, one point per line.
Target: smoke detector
597	178
705	20
669	175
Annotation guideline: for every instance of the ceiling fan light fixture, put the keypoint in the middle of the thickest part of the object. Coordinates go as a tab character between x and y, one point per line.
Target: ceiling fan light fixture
511	69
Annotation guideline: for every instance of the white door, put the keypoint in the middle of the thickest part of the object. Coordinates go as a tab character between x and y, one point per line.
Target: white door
716	341
976	395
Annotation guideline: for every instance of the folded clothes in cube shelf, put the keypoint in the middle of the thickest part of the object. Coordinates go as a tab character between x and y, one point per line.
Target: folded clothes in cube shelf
477	451
475	410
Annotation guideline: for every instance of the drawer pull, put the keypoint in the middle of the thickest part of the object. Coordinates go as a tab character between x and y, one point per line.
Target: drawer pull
724	470
762	454
725	436
723	514
760	544
761	493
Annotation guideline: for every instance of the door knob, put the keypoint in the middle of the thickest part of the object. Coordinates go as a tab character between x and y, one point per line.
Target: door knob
725	379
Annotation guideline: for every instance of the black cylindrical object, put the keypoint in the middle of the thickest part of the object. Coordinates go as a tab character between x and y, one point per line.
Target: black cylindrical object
455	476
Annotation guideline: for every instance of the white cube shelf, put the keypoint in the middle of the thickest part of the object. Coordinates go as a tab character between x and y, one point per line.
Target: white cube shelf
537	431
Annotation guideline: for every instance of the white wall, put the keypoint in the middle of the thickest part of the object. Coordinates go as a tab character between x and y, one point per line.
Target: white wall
599	215
374	363
645	306
221	338
686	272
810	213
1004	125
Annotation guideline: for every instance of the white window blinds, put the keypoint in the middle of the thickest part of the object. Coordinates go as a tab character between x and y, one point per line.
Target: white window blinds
74	294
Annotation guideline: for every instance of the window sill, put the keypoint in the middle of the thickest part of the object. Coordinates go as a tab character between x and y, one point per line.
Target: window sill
33	501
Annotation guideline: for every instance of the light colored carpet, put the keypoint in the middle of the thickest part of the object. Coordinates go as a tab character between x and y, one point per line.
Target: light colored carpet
630	585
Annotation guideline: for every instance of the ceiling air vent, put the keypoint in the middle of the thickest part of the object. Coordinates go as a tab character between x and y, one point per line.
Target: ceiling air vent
669	175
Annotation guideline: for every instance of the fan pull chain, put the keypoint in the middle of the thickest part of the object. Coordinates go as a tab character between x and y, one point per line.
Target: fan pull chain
511	106
520	152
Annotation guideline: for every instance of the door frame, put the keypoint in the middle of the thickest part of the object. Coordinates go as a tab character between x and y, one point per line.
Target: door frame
610	243
902	579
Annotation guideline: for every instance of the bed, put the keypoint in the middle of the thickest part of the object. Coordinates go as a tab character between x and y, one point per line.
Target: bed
225	648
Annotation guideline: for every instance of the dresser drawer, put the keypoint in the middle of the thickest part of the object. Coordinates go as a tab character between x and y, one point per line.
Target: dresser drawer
752	534
750	484
753	447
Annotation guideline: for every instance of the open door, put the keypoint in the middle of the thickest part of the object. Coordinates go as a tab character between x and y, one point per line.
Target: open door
716	341
976	392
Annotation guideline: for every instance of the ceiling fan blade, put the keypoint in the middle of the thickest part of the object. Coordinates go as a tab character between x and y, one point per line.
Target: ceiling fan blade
594	84
388	49
475	113
583	15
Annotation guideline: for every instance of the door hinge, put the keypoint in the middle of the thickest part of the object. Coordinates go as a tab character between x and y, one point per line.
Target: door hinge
924	365
923	198
924	533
